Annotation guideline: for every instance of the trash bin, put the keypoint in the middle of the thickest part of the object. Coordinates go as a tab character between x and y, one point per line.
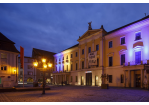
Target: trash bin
35	84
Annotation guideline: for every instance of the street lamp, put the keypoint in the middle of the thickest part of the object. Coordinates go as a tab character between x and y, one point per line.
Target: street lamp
44	65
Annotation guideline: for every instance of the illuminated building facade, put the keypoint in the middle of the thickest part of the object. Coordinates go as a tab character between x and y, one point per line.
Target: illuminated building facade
122	57
8	62
29	71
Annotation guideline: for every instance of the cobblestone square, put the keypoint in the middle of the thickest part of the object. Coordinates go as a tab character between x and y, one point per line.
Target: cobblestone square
78	94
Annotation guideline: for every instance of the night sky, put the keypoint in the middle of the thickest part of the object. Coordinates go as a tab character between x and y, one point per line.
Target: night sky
55	27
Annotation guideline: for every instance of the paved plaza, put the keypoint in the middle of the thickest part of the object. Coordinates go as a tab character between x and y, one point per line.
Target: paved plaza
78	94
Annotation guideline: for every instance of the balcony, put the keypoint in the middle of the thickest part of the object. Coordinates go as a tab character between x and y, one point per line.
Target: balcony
132	63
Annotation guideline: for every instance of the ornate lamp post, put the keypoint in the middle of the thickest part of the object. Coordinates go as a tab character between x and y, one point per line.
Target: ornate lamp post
44	66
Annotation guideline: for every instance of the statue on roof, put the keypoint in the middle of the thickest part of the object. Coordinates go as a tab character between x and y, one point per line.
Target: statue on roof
90	27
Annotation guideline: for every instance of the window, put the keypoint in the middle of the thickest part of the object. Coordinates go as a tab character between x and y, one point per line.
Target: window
71	67
30	73
82	51
59	59
97	47
3	67
59	68
110	61
67	67
63	58
63	67
122	78
76	66
82	64
122	59
41	74
110	44
67	57
110	78
71	78
47	74
76	78
56	60
56	68
89	49
3	61
138	35
30	66
71	55
138	57
122	40
76	54
0	81
21	72
97	62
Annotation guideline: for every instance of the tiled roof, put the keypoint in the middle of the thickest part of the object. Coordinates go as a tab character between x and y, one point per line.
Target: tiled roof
127	25
6	44
71	47
40	52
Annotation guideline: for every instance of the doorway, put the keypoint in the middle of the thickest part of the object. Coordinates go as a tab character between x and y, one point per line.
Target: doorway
89	79
82	80
138	80
96	80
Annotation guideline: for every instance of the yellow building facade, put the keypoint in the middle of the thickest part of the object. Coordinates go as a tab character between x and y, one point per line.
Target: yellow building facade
121	57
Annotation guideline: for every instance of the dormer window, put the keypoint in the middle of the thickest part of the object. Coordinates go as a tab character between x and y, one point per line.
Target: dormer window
138	36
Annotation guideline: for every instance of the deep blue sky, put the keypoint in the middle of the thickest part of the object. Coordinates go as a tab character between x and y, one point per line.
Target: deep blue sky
55	27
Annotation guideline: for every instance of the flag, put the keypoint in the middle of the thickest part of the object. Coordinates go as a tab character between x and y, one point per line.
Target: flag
22	56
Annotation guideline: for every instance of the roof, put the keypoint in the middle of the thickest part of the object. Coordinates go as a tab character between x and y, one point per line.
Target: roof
40	52
6	44
71	47
128	25
5	39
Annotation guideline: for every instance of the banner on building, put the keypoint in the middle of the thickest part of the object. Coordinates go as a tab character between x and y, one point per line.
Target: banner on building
22	56
92	58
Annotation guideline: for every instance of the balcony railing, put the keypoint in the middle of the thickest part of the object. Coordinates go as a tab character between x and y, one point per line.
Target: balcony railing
131	63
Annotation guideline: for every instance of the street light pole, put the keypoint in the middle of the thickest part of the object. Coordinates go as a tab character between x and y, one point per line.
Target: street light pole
43	82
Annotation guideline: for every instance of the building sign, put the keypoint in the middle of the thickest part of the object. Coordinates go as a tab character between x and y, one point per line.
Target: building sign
88	71
92	58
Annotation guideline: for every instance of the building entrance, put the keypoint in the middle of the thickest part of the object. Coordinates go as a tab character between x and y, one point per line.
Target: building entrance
96	80
88	79
138	80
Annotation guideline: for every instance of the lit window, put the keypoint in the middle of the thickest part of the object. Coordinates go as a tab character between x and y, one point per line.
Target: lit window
110	44
122	40
138	35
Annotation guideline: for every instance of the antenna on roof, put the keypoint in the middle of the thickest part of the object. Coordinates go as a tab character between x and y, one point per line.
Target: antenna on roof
145	14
